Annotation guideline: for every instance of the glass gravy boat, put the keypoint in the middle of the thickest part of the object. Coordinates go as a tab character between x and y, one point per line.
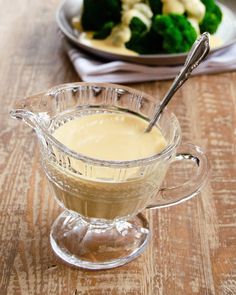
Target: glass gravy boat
102	226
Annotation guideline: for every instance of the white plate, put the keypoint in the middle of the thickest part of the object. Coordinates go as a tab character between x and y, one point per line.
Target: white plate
71	8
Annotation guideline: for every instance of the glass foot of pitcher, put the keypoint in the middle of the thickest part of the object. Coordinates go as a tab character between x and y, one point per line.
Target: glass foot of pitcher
98	245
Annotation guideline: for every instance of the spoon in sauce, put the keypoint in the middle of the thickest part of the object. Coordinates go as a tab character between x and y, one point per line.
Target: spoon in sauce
197	53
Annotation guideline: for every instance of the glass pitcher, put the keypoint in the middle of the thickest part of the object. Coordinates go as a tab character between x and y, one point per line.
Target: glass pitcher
102	226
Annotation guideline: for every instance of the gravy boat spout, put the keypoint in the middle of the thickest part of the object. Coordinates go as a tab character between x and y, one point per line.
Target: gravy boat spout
41	109
32	110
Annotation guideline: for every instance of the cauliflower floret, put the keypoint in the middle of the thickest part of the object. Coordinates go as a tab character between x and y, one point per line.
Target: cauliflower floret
195	9
144	9
120	34
139	10
128	4
172	6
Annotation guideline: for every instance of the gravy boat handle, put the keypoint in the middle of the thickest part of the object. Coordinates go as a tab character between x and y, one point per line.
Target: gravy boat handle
177	194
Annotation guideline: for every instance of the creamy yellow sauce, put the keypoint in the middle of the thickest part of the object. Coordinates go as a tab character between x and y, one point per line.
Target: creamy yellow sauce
105	45
111	136
103	191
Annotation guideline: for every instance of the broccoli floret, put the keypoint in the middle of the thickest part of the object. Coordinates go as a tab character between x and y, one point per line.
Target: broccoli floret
156	6
96	13
138	31
137	26
104	31
176	31
212	18
142	41
209	4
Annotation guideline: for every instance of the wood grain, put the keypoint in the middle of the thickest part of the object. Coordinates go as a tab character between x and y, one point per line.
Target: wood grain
193	245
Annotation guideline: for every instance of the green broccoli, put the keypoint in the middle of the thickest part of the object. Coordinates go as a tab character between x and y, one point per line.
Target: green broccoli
96	13
138	31
141	40
212	18
137	26
156	6
104	31
209	4
176	31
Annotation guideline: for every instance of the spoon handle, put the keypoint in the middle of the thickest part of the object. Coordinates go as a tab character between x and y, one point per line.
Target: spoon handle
198	52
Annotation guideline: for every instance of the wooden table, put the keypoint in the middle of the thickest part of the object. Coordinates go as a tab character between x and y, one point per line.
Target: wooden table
193	247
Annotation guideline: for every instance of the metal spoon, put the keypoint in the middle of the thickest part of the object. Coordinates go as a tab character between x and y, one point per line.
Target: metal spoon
197	53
